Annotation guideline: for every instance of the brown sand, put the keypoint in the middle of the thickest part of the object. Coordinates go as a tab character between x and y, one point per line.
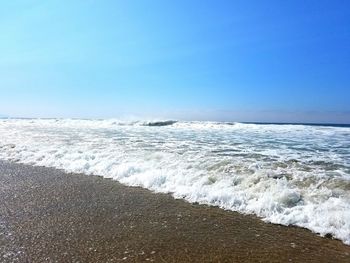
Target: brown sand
47	215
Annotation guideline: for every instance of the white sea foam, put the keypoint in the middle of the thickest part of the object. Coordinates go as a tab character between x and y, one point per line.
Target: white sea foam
286	174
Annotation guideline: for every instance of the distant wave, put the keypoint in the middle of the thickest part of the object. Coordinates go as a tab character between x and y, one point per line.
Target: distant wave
160	123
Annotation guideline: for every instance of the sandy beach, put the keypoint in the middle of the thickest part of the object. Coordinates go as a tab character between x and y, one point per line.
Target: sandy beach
47	215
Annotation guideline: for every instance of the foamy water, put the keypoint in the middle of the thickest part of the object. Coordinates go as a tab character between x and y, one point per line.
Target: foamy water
286	174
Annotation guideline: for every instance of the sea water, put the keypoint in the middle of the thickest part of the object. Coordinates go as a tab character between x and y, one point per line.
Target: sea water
285	174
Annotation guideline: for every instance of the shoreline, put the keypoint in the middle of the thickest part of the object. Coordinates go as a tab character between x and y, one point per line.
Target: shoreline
47	215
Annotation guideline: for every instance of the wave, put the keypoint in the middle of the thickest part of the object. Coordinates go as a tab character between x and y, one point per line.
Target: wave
160	123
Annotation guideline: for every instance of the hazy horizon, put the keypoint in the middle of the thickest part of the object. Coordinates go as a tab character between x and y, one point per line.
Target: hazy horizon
294	117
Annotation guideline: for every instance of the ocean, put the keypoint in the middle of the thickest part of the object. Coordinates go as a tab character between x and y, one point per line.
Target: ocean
290	174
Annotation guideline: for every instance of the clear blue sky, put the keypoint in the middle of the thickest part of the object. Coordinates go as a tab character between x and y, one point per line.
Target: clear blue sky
184	59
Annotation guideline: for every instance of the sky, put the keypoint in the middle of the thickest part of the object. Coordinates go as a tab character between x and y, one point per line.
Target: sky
277	61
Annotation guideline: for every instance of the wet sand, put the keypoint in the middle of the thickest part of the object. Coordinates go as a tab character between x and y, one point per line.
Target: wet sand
47	215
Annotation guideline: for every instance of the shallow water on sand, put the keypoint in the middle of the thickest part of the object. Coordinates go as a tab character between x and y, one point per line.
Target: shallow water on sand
286	174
